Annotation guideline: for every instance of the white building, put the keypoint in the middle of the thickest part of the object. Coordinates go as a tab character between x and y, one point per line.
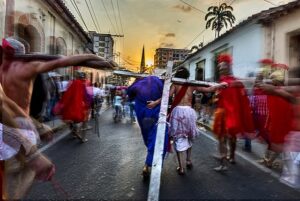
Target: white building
273	33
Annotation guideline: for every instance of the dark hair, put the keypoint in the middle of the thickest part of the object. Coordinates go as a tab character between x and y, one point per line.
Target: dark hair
182	72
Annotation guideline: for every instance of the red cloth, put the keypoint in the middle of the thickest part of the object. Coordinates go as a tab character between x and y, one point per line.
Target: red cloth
279	120
178	98
75	102
234	100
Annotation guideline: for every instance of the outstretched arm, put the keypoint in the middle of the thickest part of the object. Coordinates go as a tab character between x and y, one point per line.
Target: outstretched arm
270	89
74	60
212	88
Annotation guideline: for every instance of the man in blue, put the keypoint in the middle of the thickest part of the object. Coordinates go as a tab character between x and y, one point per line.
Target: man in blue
147	93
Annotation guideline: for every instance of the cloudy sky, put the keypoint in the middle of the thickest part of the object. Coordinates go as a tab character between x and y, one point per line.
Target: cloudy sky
157	23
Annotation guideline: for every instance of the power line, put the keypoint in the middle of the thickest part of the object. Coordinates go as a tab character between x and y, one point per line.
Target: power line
92	8
120	17
270	2
91	15
73	2
108	16
195	38
232	2
193	7
112	5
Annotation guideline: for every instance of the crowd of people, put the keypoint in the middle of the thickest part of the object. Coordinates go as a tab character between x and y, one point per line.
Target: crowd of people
270	111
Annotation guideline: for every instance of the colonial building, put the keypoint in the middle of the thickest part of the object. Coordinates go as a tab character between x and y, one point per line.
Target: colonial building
163	55
46	26
273	33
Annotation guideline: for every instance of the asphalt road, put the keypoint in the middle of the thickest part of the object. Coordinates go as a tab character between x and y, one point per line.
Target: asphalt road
110	167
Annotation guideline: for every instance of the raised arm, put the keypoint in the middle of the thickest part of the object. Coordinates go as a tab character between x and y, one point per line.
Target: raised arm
74	60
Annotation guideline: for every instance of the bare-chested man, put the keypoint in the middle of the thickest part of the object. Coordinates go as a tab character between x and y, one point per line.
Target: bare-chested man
17	76
183	117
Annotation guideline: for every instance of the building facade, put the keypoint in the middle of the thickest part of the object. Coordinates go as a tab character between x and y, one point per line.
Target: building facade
274	34
163	55
103	45
46	26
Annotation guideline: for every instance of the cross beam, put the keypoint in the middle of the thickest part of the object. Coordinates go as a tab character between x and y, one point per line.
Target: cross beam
153	194
173	80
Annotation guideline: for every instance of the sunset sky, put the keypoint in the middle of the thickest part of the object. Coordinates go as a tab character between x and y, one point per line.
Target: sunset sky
158	23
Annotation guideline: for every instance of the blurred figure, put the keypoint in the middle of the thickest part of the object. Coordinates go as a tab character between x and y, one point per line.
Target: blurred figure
278	124
118	106
291	155
232	115
75	105
183	117
258	101
19	75
53	96
20	163
98	97
147	92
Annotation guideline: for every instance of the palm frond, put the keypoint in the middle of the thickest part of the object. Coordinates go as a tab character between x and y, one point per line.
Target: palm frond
209	15
208	24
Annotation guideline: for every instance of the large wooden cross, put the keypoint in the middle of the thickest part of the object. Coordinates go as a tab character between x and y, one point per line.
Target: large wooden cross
154	187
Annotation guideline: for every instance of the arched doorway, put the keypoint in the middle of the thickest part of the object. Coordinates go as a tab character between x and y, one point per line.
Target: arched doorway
31	31
61	46
29	36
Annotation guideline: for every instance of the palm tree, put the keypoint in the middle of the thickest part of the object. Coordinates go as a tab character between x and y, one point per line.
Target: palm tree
218	17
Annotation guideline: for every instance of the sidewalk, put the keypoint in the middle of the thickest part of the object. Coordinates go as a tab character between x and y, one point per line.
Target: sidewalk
257	148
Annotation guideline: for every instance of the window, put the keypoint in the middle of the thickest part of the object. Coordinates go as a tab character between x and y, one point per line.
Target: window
199	74
227	50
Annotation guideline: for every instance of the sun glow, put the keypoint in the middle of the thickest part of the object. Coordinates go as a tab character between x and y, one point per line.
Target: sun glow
149	63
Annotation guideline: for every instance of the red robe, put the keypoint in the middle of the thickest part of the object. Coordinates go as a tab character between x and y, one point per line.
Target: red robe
235	107
75	102
279	119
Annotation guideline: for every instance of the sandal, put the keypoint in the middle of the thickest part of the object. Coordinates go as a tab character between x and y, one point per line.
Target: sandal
189	164
180	171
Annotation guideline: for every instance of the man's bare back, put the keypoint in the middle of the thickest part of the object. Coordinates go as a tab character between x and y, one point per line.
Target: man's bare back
188	96
17	76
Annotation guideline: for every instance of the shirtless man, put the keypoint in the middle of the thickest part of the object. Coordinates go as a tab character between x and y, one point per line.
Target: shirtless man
183	117
17	76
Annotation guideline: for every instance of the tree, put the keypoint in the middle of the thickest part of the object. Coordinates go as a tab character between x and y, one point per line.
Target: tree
218	16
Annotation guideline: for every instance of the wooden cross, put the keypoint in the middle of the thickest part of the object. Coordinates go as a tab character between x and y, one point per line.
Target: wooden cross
154	187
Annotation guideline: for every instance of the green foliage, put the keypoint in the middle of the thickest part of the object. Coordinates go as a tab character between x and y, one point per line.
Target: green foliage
218	17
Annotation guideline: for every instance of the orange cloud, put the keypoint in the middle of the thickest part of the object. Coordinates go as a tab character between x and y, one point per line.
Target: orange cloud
183	8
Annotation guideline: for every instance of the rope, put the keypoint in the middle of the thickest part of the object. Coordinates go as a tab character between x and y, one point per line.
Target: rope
58	188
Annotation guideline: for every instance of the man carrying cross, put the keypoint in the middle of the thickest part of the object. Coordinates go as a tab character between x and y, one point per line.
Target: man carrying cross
17	76
183	117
